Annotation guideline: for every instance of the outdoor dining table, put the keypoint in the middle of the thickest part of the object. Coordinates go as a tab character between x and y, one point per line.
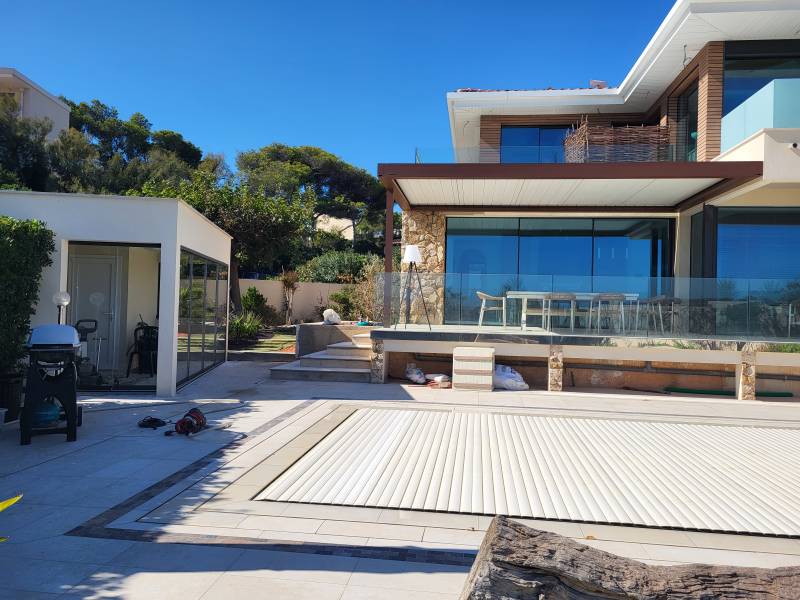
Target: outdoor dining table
589	297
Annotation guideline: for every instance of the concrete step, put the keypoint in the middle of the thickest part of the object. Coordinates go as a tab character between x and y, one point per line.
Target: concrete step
349	349
295	371
325	359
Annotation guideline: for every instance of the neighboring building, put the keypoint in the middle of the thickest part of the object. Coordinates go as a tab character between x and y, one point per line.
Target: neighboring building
148	275
34	101
343	227
679	189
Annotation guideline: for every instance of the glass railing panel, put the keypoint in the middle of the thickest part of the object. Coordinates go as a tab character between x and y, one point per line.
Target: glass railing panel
651	307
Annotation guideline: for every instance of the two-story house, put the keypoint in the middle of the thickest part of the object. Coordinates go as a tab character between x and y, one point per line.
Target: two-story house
643	235
34	101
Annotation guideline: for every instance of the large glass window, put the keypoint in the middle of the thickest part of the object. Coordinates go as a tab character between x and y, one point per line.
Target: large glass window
557	250
202	310
495	255
749	66
758	243
532	144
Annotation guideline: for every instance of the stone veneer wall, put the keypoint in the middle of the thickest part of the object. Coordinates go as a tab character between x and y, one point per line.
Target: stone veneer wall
426	229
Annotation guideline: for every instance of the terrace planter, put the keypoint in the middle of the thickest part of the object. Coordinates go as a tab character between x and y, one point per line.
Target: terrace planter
10	394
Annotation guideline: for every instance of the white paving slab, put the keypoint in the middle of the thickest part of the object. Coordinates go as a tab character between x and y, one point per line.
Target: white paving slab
649	473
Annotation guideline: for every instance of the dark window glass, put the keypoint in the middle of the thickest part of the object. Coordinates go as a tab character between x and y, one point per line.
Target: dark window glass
756	243
560	249
532	144
687	125
481	256
628	252
745	76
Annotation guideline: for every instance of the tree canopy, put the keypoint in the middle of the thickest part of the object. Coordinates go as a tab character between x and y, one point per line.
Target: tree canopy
270	205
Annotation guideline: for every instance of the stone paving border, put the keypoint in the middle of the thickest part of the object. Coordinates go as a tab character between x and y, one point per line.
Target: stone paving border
97	527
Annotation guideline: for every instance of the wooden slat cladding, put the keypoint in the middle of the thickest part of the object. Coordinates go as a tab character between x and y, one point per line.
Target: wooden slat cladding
491	126
709	101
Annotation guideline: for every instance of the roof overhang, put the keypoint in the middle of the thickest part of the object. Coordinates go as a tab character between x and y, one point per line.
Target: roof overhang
688	26
603	187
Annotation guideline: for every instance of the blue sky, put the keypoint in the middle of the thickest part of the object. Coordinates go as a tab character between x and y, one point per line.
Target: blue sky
365	80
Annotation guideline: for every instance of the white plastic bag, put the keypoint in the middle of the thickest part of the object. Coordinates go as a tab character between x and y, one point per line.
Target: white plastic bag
507	378
331	317
414	373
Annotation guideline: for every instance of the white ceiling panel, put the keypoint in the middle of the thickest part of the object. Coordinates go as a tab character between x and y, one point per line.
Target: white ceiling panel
486	193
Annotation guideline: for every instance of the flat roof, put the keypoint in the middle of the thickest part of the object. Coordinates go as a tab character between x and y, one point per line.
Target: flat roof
605	187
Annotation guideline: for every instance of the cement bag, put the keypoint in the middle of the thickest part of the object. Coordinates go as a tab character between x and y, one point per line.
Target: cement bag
506	378
331	317
414	373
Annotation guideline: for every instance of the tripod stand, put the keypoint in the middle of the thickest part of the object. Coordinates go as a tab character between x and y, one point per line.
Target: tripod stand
412	269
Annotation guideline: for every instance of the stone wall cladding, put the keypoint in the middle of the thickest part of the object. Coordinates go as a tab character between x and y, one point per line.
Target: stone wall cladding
555	369
377	363
427	230
746	374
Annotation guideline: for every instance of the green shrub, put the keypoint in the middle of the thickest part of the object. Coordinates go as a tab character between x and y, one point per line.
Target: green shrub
244	326
333	267
345	303
25	249
254	301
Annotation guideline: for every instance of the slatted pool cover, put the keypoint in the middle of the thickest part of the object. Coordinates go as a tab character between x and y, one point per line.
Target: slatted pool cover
658	474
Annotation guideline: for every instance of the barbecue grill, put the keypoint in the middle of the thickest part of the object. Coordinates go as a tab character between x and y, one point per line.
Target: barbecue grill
50	401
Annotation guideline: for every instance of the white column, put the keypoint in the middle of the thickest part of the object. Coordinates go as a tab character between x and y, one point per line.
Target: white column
168	319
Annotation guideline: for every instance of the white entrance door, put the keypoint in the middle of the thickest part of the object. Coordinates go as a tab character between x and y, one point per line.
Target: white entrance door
93	287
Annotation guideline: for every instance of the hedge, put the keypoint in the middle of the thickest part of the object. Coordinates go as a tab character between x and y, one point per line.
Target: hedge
333	267
25	249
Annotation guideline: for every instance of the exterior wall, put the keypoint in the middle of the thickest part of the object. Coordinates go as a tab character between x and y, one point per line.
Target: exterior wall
35	102
343	227
166	222
426	230
307	298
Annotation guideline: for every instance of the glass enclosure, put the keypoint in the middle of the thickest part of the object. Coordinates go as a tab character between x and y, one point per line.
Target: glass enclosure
533	144
570	255
114	291
202	314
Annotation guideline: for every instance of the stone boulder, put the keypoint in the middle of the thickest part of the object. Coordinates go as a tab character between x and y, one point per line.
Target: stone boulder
517	562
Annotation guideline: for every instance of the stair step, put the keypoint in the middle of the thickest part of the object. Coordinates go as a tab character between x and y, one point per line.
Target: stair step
295	371
349	349
325	359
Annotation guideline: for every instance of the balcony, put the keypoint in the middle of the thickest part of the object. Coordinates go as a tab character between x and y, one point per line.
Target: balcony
773	106
607	144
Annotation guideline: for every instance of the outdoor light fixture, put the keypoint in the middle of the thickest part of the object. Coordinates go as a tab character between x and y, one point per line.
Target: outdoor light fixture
61	300
412	256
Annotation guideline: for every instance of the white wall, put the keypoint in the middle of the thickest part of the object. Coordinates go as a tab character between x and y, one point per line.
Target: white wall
167	222
308	296
37	105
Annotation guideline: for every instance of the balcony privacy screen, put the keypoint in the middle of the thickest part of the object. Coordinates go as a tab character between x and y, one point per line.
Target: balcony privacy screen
602	143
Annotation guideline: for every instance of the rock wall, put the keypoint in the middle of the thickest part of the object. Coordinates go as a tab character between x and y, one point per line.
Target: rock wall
427	230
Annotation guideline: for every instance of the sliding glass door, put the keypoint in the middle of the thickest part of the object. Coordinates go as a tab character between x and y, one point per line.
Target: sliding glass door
203	309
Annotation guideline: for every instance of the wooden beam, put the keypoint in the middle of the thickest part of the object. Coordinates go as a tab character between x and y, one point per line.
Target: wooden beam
388	251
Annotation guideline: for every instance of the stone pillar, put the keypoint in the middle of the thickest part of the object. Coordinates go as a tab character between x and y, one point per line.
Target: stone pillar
746	374
425	229
555	369
377	363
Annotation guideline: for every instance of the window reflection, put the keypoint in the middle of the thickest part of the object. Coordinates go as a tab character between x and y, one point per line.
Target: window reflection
532	144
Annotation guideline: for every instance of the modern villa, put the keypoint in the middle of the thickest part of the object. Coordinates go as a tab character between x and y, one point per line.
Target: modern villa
642	236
